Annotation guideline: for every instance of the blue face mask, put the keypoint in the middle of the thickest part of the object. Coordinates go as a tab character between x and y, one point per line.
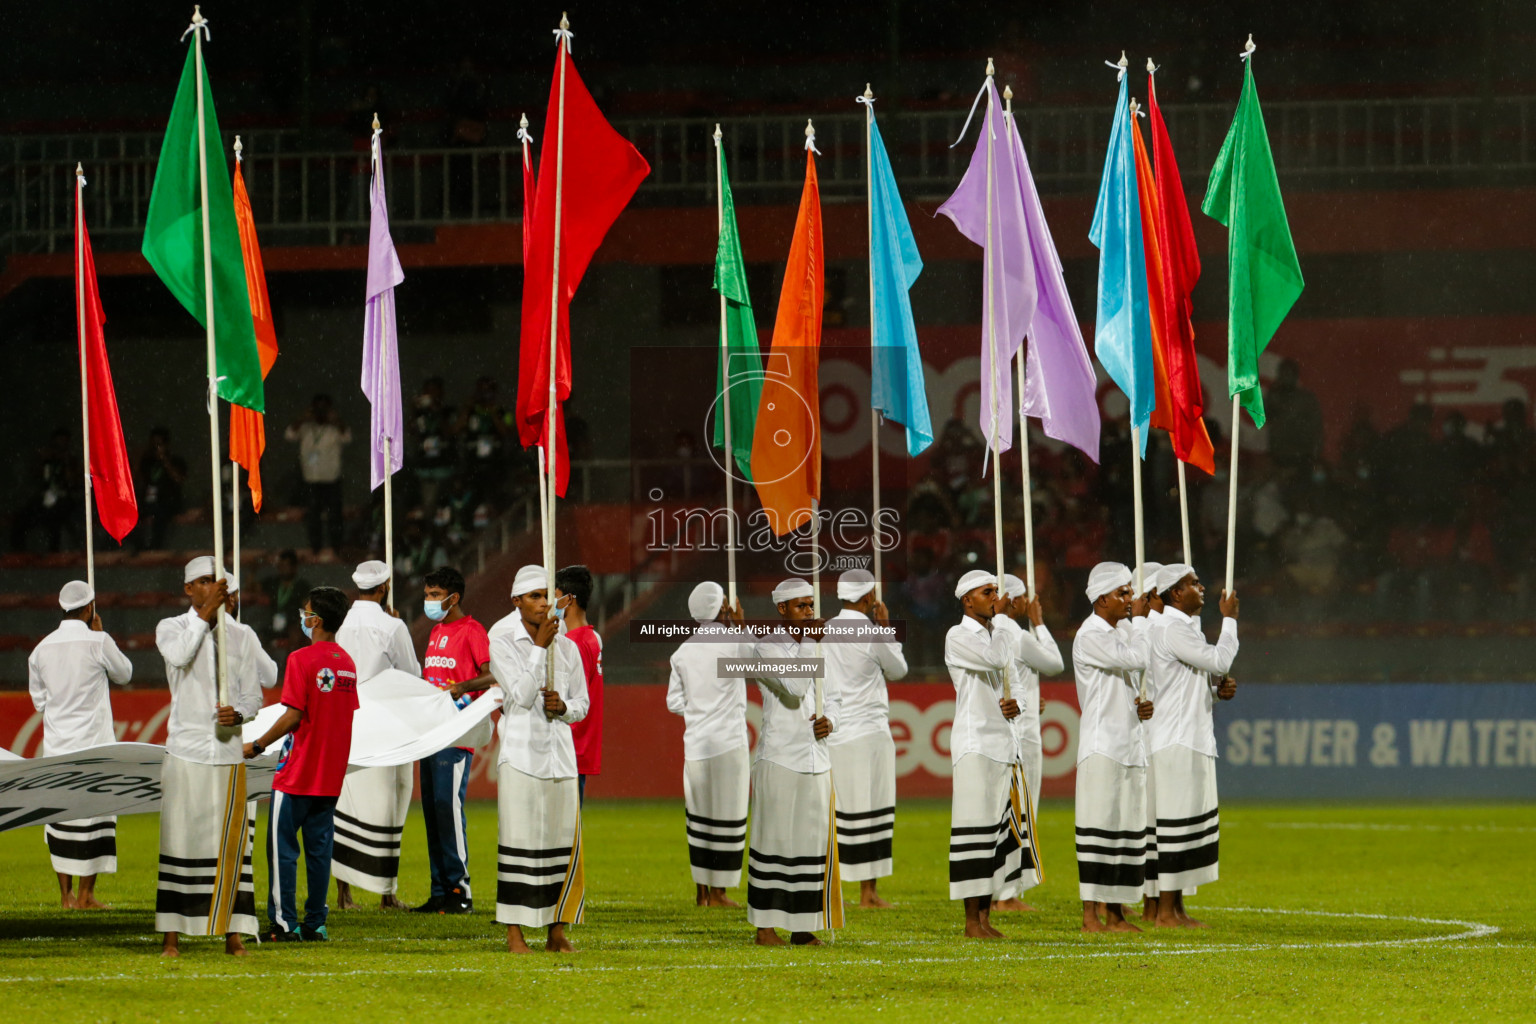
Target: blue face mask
434	610
309	631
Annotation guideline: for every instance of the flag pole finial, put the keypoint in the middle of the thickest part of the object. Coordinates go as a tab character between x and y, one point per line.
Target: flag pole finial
1248	48
991	68
375	120
79	170
1124	63
522	122
1150	66
239	149
717	131
1007	92
869	92
565	23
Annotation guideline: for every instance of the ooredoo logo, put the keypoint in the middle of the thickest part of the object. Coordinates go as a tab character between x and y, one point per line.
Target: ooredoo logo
440	661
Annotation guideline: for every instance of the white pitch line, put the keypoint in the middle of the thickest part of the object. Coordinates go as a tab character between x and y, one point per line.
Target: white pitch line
1470	930
1366	826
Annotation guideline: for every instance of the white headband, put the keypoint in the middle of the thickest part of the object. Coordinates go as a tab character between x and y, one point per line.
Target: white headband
790	589
1106	578
196	569
704	603
75	595
1169	576
531	578
370	575
854	584
1149	571
973	579
1012	585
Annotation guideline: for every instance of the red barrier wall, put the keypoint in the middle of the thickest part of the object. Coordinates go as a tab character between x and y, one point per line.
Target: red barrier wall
643	742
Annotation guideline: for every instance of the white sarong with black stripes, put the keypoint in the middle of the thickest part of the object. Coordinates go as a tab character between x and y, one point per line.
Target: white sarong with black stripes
715	791
540	874
370	818
792	870
205	882
864	774
1111	830
1188	818
86	846
1149	888
991	852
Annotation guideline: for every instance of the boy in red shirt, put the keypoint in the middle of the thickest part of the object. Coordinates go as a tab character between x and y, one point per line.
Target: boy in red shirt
458	660
573	589
320	694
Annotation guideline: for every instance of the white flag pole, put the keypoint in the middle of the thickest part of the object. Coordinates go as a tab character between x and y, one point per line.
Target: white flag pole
1029	509
377	159
199	28
1232	498
234	469
563	53
85	398
874	414
988	258
725	385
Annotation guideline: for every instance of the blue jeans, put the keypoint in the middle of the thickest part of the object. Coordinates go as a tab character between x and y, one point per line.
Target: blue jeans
444	785
290	815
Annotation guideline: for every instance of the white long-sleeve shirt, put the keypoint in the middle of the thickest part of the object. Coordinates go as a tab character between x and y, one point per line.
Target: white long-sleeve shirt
1035	655
266	668
186	643
978	659
861	670
714	710
67	675
1107	661
1182	666
531	742
376	641
789	707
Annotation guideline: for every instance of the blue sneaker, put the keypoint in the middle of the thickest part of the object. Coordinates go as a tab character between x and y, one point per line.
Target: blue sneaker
315	934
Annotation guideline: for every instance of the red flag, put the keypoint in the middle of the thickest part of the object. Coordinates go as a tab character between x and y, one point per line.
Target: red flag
786	443
598	172
111	475
247	427
1146	194
1180	271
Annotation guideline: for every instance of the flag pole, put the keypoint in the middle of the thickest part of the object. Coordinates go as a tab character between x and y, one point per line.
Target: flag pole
991	292
1184	511
1232	498
377	157
810	149
563	52
874	414
85	398
234	467
725	383
1029	510
199	28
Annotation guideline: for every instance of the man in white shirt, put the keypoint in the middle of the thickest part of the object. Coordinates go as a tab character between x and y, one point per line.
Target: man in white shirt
1035	655
990	848
1108	654
68	674
374	802
205	885
792	870
715	744
862	750
1189	674
541	879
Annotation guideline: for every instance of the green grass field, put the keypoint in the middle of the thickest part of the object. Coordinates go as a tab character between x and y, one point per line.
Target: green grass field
1324	913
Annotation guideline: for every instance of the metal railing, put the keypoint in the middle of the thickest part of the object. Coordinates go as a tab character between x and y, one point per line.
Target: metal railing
320	198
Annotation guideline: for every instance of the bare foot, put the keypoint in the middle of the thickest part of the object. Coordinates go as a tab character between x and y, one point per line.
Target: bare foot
515	943
557	942
804	939
718	898
768	937
172	947
1189	922
90	902
874	901
1149	909
974	930
1163	921
1121	925
992	933
67	901
344	899
389	901
234	945
701	895
1093	924
1013	904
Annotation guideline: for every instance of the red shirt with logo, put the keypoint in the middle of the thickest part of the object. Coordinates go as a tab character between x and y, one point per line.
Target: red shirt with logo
321	684
457	651
588	733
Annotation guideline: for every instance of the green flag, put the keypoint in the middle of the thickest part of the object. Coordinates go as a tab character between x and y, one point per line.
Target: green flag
1263	274
173	240
740	355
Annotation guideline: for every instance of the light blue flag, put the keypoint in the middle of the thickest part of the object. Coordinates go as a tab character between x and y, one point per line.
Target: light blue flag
1123	338
896	367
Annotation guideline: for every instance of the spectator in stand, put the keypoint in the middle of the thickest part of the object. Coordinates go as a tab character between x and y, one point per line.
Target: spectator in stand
432	425
1511	474
483	428
286	590
321	435
1406	452
55	503
1295	421
161	474
573	591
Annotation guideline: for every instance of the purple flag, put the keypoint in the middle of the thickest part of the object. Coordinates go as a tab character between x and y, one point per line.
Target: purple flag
381	356
1008	292
1059	383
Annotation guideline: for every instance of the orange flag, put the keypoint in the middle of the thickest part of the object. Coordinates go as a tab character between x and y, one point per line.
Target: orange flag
786	444
247	427
1167	415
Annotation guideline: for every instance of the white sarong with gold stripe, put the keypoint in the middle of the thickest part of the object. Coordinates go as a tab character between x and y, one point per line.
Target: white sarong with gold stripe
205	882
540	875
792	868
